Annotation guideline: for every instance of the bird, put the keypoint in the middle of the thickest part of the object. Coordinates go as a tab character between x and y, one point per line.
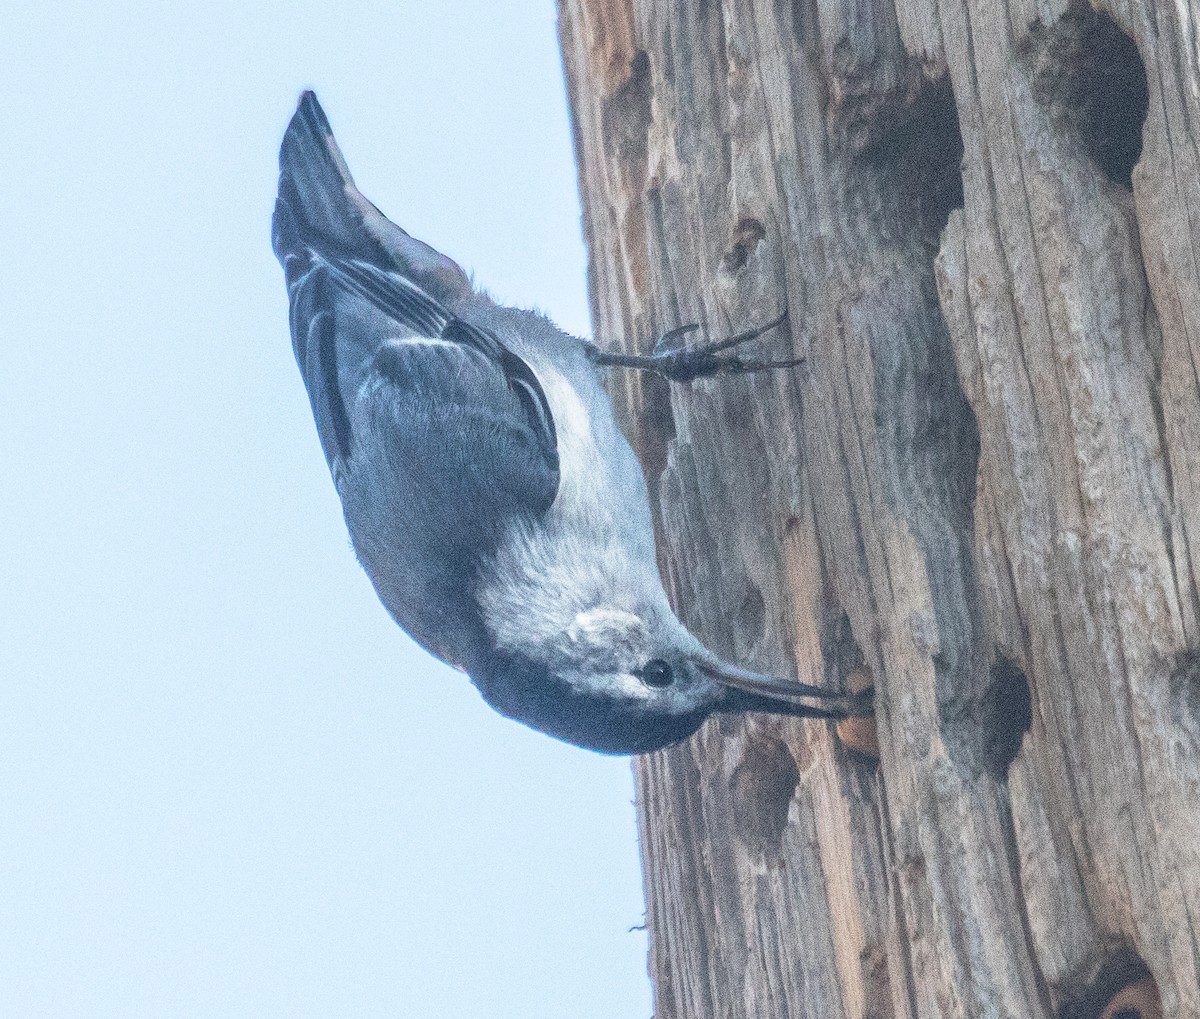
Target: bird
489	494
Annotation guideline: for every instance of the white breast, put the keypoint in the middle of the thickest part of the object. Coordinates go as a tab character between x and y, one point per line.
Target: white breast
581	467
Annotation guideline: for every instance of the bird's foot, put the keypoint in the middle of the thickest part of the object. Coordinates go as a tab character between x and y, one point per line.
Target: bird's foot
678	363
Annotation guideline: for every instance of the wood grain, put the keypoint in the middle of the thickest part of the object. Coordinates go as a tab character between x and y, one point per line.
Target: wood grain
983	486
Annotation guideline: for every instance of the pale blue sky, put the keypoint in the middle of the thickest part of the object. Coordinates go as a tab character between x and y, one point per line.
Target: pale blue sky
229	785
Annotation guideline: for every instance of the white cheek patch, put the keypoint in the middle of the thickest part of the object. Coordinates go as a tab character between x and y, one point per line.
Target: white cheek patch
609	627
623	686
678	699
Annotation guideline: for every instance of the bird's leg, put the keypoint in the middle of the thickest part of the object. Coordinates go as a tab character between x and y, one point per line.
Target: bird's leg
685	363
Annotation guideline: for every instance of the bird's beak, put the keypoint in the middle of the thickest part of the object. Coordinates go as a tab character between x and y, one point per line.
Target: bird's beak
753	691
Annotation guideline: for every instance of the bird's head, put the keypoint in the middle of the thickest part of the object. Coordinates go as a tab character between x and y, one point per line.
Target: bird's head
621	682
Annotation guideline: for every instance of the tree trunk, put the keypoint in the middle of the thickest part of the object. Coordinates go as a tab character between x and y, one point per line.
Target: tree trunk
983	486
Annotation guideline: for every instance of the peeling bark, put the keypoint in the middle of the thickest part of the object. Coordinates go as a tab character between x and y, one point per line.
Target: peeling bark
983	486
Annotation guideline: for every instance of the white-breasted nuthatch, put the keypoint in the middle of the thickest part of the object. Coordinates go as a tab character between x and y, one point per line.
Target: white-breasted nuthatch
491	498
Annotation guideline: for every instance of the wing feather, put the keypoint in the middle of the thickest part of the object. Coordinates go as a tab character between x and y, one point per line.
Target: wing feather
358	283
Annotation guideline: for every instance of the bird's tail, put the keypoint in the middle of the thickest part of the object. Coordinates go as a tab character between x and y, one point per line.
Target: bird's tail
319	209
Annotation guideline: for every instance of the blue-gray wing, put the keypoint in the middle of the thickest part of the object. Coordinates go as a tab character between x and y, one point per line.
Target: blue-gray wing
384	360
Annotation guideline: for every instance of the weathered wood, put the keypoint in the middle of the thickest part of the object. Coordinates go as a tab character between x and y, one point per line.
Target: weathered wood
984	486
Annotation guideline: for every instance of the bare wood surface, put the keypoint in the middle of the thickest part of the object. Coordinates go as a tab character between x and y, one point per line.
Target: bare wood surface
983	486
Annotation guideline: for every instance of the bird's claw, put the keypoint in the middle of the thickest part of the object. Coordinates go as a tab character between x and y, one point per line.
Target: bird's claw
685	365
665	344
679	363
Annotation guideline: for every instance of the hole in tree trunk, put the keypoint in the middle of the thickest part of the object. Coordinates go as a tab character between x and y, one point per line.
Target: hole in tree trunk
746	237
919	145
1007	716
1122	988
625	117
1089	77
752	616
1184	685
763	784
840	651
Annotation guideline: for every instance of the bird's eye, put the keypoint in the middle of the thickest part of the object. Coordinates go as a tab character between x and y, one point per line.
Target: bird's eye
656	672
